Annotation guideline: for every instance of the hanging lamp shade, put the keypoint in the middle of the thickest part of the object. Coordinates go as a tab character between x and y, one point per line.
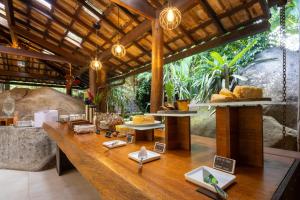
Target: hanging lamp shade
170	18
96	64
118	50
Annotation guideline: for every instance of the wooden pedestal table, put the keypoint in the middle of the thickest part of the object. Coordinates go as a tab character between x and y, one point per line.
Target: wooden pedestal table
177	130
115	176
239	131
145	133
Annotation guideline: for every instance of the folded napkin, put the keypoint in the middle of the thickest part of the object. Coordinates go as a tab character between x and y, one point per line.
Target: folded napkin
87	128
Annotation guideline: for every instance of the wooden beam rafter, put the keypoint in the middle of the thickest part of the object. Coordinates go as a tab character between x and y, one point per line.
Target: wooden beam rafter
31	54
224	39
75	60
142	8
10	21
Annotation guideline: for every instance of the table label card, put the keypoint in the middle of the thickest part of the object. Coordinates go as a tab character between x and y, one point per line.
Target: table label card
224	164
159	147
129	139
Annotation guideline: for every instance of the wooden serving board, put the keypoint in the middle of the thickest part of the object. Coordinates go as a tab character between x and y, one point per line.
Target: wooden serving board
243	100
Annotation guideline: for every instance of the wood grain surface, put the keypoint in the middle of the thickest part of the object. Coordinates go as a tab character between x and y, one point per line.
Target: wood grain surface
116	177
239	133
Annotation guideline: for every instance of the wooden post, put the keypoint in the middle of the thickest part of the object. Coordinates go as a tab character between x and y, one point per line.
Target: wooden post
69	91
101	88
92	81
157	66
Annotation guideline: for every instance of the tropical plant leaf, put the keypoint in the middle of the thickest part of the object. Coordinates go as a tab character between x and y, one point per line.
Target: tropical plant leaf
241	54
217	57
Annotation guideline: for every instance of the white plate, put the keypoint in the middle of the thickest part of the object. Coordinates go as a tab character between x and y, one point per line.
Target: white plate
130	123
196	176
151	155
118	143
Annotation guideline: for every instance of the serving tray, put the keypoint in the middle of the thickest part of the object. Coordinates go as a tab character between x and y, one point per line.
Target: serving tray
114	144
196	176
131	124
151	156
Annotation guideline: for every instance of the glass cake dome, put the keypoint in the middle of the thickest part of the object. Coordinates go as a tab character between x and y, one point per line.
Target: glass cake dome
8	105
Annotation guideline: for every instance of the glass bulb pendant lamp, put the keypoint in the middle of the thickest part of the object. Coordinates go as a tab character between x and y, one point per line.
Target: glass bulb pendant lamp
96	63
170	17
118	49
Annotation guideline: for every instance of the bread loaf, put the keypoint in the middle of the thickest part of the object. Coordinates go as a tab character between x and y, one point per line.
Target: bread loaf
227	93
220	98
248	92
143	119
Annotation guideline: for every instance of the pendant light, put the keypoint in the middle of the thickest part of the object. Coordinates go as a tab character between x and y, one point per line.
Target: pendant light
170	17
96	63
118	49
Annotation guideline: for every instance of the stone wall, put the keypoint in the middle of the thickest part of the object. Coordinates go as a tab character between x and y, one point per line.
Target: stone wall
28	149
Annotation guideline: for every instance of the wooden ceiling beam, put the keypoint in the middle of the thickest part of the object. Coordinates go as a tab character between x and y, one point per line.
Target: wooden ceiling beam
222	40
31	54
74	18
10	21
142	8
213	15
74	60
142	28
29	75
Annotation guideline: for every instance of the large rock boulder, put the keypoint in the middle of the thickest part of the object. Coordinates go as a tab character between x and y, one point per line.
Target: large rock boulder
30	101
28	149
268	75
204	124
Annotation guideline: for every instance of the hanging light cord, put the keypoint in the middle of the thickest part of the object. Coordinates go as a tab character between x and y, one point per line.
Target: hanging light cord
118	24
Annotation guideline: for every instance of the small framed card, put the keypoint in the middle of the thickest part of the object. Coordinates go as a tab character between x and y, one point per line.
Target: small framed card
108	134
129	139
160	147
224	164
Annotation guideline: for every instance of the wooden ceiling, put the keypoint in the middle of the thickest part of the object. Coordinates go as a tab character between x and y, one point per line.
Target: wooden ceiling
65	28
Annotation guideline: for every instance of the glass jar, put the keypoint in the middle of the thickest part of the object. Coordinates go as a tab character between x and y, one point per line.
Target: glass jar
8	105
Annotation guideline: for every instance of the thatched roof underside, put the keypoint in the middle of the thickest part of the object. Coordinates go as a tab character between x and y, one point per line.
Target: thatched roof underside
65	28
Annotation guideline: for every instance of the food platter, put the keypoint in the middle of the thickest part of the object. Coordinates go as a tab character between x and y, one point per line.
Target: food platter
131	124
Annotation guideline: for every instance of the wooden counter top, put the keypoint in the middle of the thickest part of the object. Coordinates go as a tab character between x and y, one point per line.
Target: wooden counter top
116	177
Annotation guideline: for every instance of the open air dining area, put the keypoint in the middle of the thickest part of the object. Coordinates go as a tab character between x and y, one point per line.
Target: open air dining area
149	99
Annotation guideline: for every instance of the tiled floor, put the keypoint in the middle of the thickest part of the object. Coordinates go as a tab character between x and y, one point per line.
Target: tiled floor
45	185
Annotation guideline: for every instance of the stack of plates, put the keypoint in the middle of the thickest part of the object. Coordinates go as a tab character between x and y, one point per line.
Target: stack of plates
114	143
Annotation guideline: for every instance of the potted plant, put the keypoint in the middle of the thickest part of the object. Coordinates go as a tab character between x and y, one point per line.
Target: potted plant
170	92
97	99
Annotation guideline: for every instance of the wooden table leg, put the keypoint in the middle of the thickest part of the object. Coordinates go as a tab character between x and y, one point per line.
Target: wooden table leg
177	133
240	134
146	135
62	162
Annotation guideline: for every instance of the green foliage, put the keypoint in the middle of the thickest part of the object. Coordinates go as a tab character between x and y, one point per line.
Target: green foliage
170	91
98	97
143	91
292	17
117	99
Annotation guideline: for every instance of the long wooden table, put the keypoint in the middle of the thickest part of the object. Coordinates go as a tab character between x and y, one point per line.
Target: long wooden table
116	177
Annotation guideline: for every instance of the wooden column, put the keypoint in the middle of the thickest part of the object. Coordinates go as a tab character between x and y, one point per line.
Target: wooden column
69	91
157	66
101	88
92	81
